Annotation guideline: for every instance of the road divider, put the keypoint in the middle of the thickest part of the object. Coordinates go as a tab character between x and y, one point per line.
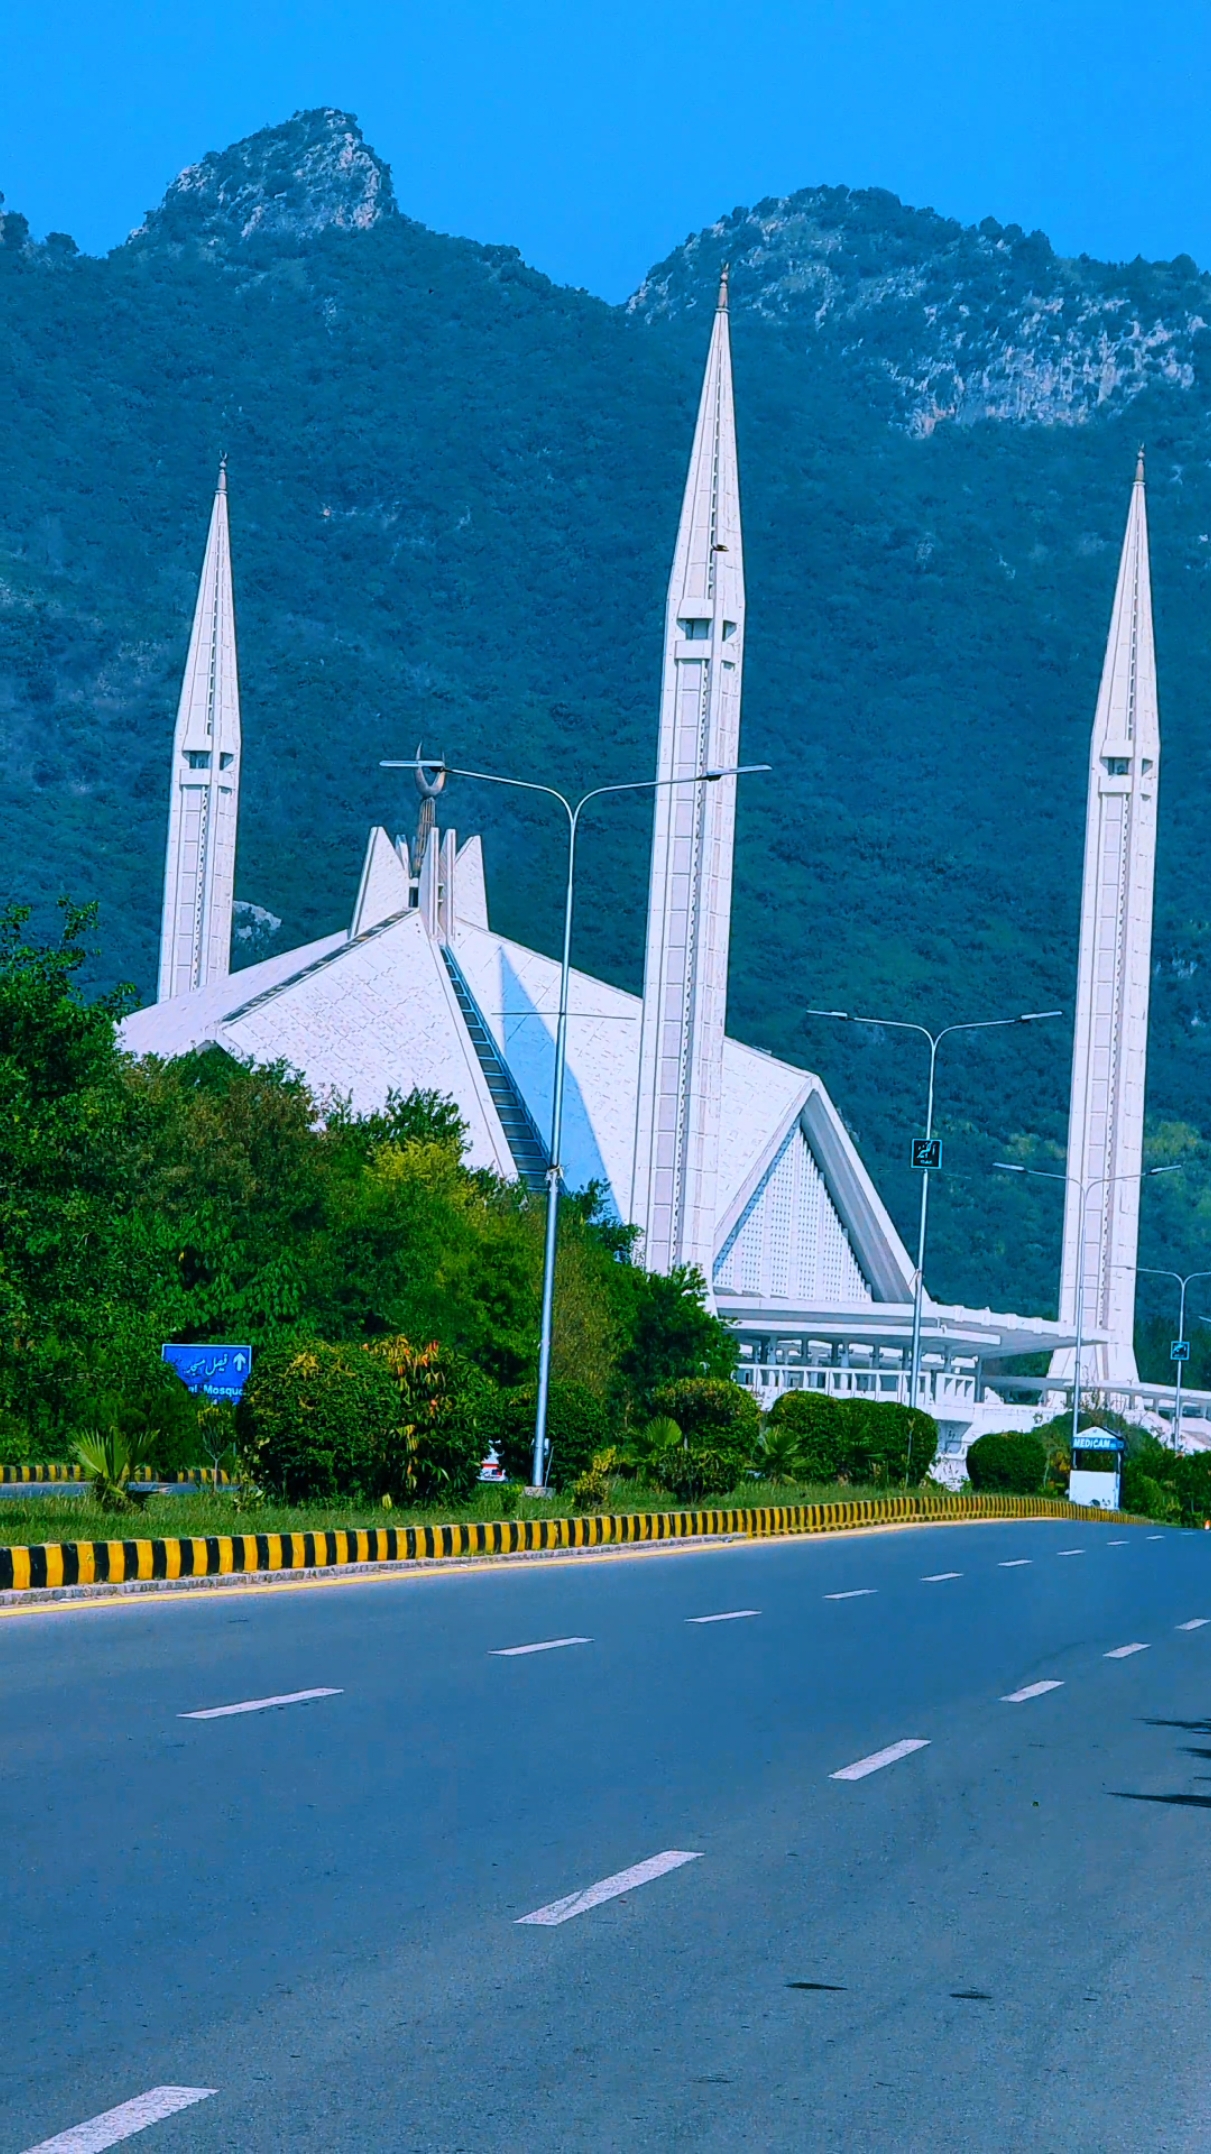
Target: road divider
58	1564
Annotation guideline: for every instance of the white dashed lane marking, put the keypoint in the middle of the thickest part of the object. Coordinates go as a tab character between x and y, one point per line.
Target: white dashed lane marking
1070	1551
856	1593
1032	1690
1124	1652
545	1645
730	1615
258	1705
1014	1563
609	1888
1116	1544
935	1578
1154	1536
113	2125
879	1758
1196	1623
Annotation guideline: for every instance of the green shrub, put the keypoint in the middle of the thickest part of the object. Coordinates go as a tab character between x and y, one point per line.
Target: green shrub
1150	1498
697	1473
577	1426
434	1444
591	1488
778	1452
815	1421
714	1414
1010	1464
313	1419
886	1443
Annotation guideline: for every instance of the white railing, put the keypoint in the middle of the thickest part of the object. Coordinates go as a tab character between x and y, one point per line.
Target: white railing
940	1388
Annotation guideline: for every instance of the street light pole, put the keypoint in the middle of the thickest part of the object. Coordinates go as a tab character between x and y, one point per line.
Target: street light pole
1184	1280
894	1024
1097	1181
554	1177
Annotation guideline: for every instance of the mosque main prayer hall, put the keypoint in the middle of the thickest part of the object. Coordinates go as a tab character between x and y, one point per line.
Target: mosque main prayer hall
722	1155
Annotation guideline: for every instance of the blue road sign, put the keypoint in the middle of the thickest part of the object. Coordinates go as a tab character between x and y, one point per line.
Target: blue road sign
1091	1440
1180	1350
220	1371
927	1152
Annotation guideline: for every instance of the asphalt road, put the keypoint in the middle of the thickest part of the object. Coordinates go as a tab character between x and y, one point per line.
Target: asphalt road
996	1940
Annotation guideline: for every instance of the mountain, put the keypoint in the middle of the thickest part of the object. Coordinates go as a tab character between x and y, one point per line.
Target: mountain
454	491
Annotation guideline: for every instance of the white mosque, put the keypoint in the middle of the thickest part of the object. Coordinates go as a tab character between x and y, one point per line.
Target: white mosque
724	1156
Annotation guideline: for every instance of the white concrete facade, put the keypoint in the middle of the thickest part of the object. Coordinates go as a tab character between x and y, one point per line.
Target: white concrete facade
199	868
1110	1045
673	1192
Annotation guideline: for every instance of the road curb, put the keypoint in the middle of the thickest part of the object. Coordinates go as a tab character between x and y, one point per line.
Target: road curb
50	1566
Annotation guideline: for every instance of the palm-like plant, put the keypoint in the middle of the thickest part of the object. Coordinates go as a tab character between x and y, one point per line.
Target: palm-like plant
778	1454
110	1457
652	1443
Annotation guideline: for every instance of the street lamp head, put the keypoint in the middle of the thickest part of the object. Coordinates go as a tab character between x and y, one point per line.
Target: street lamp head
735	770
1035	1017
1006	1166
842	1014
1176	1168
428	762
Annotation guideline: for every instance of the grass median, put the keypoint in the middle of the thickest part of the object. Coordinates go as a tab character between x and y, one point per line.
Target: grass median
27	1521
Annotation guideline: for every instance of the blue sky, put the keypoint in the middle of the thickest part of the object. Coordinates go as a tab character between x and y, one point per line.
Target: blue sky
594	138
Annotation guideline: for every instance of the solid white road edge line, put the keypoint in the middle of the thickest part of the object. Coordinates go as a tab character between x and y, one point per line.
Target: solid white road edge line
258	1705
1124	1652
1198	1623
1032	1690
935	1578
609	1888
856	1593
545	1645
1014	1563
731	1615
114	2125
879	1758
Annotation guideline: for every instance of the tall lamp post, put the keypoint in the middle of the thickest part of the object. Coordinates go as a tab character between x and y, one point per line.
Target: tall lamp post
1098	1181
927	1152
573	810
1184	1279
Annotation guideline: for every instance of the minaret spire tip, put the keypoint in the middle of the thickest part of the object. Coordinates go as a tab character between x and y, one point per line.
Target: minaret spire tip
221	488
724	275
1139	466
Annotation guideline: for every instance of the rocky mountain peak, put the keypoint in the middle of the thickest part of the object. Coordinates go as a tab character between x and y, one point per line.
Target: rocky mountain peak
948	321
313	173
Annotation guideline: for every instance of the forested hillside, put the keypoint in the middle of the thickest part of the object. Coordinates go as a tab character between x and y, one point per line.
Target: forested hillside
454	490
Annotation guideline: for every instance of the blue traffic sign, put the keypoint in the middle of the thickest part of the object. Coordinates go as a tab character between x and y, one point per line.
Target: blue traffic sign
927	1153
1180	1350
1098	1440
220	1371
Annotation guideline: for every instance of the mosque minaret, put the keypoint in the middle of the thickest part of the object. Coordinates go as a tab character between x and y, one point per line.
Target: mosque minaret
199	870
1110	1046
674	1193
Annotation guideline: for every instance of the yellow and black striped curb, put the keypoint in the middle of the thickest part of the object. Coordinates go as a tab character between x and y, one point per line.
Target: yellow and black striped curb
56	1470
83	1563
